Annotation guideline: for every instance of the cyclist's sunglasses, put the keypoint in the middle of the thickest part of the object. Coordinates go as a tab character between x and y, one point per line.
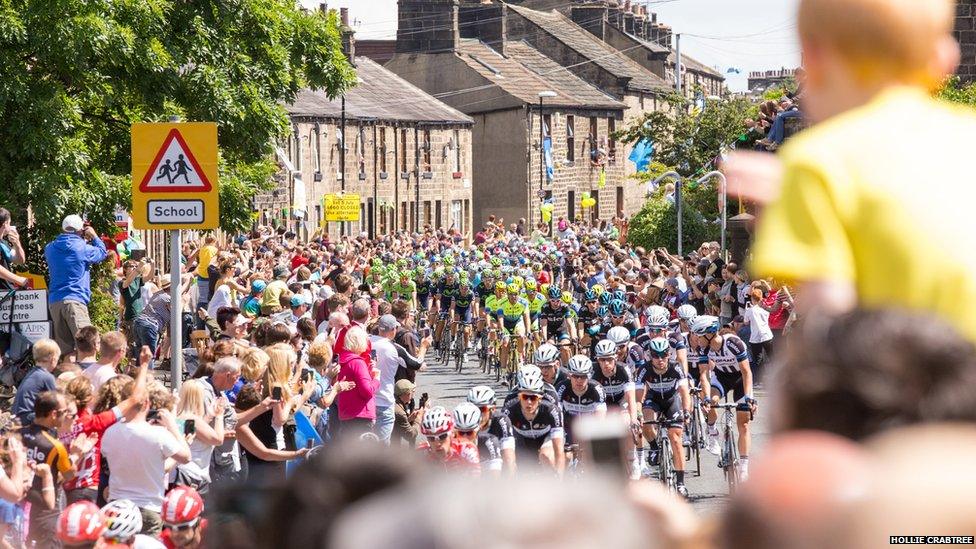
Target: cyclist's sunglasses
465	433
185	526
547	366
663	354
579	376
618	317
526	397
438	438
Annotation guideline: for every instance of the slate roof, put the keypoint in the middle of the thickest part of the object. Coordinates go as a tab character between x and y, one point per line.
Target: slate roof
381	95
592	48
524	72
690	63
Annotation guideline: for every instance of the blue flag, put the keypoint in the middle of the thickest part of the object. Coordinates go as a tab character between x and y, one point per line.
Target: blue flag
547	154
642	154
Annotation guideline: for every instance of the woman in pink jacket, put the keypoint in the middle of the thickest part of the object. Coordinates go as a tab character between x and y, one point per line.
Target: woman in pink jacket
357	407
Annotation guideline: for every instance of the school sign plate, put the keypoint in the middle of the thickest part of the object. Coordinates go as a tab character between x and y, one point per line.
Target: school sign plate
174	176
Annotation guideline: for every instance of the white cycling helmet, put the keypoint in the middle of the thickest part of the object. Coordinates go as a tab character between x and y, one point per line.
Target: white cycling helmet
656	309
467	417
123	520
704	324
436	421
605	348
580	365
546	353
658	321
530	379
687	312
618	335
481	395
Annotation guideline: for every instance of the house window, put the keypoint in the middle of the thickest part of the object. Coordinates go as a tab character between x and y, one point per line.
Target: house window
318	148
465	214
456	219
383	157
427	211
570	138
362	217
403	215
593	137
595	215
403	156
546	125
437	214
318	215
426	145
612	142
382	218
457	151
571	205
361	151
620	199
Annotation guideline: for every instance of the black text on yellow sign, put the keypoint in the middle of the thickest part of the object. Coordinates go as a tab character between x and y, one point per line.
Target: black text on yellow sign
174	176
341	207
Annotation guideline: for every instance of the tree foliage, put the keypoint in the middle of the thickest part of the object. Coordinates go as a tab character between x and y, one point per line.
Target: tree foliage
77	74
656	226
955	91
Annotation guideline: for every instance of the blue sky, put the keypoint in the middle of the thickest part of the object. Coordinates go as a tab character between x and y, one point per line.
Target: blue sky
745	34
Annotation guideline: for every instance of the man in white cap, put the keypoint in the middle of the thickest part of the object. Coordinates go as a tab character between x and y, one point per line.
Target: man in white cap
388	362
69	259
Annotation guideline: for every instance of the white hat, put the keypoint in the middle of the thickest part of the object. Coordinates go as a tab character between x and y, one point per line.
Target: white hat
72	223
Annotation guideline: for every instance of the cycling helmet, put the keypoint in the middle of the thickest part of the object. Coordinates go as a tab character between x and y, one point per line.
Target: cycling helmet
436	421
481	395
123	520
657	309
546	353
617	307
603	311
530	379
513	288
606	298
500	285
496	261
589	296
81	522
659	347
658	321
605	348
687	312
597	289
567	298
467	417
704	324
182	505
618	335
620	294
531	284
555	292
580	365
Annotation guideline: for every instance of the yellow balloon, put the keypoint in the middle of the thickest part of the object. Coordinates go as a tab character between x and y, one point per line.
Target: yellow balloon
546	207
588	202
546	216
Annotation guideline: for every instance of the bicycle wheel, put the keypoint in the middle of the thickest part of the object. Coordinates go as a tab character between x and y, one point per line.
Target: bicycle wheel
459	350
665	465
696	436
731	462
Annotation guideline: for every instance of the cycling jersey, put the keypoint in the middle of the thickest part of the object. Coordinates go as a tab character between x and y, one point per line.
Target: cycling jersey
661	387
616	385
489	451
592	400
424	289
404	291
446	291
501	427
462	301
727	357
536	302
675	340
554	318
531	434
512	313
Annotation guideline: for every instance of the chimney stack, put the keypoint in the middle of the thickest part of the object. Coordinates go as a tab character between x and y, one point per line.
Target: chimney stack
591	17
348	36
485	21
429	26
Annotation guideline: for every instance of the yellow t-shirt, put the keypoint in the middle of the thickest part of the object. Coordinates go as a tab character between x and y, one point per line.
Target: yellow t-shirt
206	255
272	293
883	197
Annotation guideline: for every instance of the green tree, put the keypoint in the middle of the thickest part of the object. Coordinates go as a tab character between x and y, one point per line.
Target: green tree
76	75
955	91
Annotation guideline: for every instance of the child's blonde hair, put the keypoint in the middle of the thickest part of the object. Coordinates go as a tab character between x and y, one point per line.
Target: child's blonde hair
881	40
46	351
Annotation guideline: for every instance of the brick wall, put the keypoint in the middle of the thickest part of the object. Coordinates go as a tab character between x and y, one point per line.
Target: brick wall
965	32
444	182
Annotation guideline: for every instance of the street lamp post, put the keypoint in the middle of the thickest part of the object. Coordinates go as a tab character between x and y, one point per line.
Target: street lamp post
723	192
542	152
677	198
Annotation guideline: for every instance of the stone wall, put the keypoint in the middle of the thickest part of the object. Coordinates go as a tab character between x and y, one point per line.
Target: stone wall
965	32
445	186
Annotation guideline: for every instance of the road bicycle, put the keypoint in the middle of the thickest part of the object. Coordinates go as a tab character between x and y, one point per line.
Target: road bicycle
729	461
666	471
510	348
695	435
444	349
458	347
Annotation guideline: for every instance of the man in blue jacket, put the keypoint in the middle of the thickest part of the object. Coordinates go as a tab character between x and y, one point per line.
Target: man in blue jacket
69	259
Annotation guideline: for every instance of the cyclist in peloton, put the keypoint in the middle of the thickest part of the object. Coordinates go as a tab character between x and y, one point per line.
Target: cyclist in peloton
618	386
546	358
513	316
495	422
445	293
461	305
587	320
557	323
538	424
665	387
442	446
548	389
727	357
467	429
578	394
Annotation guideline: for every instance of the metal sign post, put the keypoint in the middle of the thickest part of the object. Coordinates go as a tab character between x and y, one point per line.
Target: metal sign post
175	312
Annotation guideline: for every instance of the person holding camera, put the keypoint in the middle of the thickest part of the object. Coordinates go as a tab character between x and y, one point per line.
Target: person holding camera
11	253
69	258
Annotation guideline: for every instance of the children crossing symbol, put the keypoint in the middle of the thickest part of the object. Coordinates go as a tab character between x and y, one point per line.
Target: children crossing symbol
175	169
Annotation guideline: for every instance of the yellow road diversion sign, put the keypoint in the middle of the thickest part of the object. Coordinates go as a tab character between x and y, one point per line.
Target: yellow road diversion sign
174	176
341	207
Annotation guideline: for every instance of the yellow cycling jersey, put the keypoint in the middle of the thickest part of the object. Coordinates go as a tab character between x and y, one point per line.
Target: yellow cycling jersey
512	313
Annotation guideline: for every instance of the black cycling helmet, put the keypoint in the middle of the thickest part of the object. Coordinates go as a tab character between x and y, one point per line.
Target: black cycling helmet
555	292
606	298
590	296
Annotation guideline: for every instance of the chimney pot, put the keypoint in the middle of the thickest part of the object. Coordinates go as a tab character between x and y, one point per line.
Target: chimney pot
344	16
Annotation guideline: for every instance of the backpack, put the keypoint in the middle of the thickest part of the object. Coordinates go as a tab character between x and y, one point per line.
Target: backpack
16	350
